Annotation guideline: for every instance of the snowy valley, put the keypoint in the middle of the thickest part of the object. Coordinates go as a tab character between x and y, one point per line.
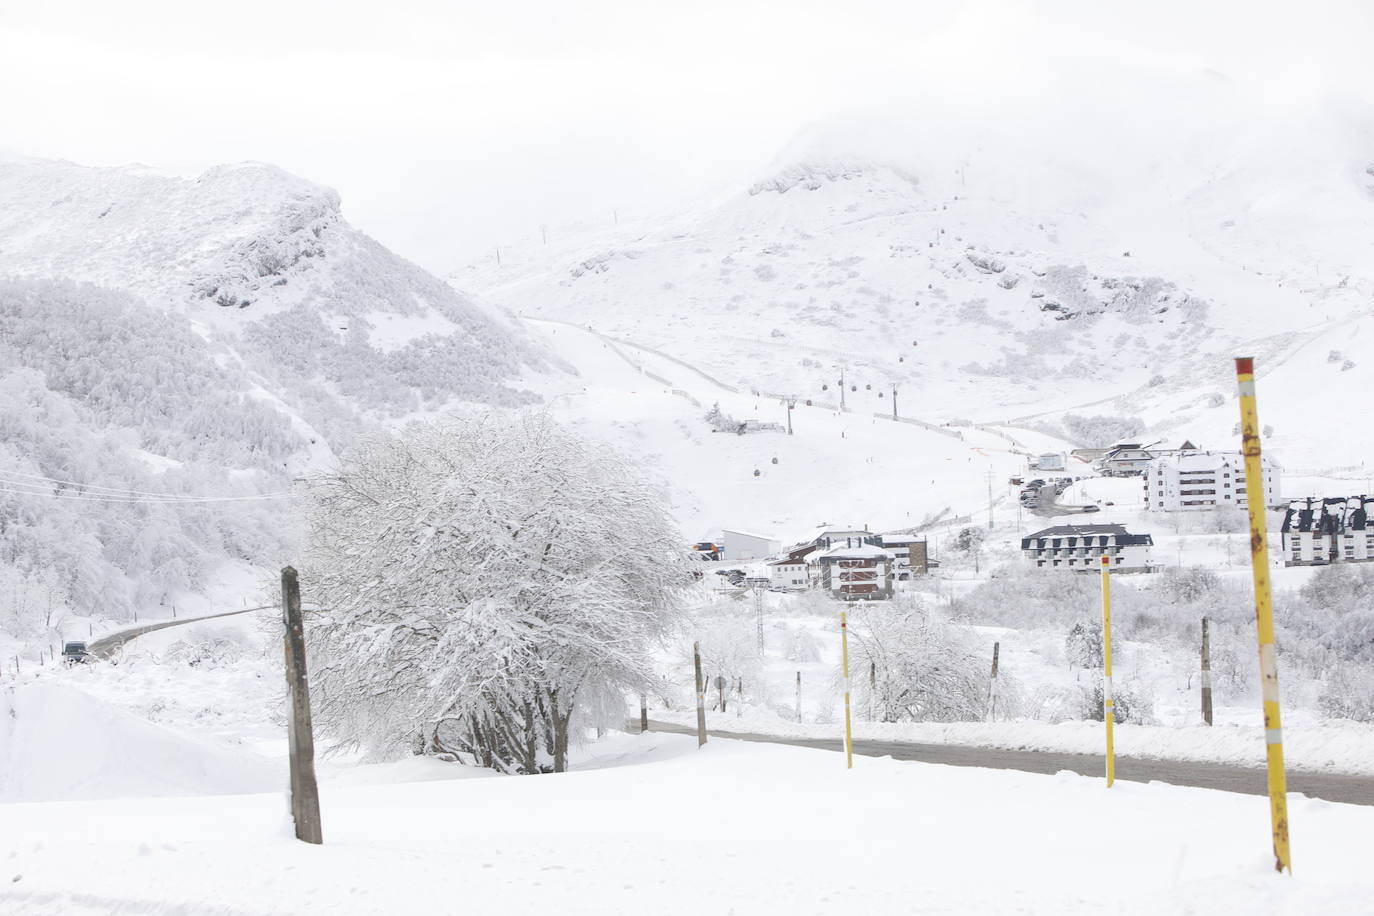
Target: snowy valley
708	557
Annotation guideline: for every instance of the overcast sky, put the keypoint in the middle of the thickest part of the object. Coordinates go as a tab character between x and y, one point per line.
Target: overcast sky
449	127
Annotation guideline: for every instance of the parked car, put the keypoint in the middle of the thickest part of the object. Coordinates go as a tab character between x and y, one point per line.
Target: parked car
74	653
1092	508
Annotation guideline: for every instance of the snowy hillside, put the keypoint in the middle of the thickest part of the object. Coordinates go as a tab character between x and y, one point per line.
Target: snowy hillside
173	353
1001	263
264	263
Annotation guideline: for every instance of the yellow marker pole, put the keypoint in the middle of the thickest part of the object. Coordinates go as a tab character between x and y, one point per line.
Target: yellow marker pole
848	727
1264	612
1108	704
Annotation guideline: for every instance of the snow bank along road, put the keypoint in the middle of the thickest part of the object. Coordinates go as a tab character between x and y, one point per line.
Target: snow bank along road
1355	790
652	825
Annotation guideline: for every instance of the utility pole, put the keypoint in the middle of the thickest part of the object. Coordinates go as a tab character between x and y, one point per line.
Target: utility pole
989	499
758	608
498	257
791	403
894	402
842	408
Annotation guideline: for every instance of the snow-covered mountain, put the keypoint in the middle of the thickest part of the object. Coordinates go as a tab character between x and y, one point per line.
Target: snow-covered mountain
1105	251
265	262
173	353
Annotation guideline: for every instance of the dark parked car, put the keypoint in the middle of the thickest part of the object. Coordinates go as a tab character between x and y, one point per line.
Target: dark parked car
74	653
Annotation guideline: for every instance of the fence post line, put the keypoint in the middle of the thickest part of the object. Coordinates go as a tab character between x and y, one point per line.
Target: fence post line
305	794
1108	704
1264	612
1206	674
848	725
701	696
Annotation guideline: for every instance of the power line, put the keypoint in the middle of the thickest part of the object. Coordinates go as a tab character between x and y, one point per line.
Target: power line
98	490
109	498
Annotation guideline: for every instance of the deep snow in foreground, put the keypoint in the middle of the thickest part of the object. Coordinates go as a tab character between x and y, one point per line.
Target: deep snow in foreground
656	826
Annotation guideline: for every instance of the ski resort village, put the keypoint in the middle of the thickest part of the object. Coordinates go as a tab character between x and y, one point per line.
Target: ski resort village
754	458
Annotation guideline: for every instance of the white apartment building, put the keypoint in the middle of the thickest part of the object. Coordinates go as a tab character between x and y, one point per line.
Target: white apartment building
1317	532
1204	480
1080	548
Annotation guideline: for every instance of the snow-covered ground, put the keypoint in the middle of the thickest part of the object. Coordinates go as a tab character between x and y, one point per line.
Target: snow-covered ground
651	824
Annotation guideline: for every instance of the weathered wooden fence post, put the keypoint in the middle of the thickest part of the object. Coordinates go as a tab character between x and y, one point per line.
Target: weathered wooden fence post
1206	674
643	713
305	793
992	686
701	696
872	691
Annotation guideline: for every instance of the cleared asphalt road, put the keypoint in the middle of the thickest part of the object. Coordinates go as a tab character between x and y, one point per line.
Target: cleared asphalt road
106	646
1355	790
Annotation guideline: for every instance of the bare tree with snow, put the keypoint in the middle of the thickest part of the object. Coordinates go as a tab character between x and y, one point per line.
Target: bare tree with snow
923	669
492	586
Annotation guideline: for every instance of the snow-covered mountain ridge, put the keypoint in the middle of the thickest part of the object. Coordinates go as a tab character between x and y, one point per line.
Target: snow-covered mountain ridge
1014	265
266	262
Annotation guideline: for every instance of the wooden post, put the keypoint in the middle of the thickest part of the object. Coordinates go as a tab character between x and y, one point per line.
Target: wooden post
643	713
305	795
992	686
701	696
872	691
720	688
798	696
1206	674
1264	613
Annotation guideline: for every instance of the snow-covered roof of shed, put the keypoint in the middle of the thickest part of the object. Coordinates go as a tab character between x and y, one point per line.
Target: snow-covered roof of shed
749	534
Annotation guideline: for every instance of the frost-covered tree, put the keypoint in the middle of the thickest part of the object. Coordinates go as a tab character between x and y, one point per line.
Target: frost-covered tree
922	669
492	585
722	422
1102	431
729	649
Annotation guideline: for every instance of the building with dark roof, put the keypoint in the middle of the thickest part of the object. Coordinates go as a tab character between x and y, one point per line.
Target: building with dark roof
1317	532
1081	548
